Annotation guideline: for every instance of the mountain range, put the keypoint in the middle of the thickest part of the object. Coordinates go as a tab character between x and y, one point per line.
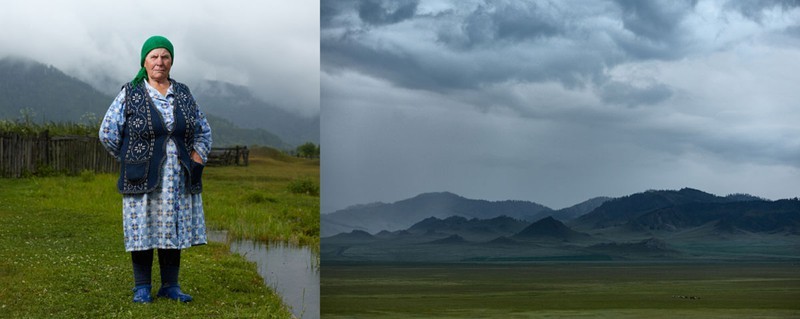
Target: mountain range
621	210
665	224
49	94
238	105
44	93
402	214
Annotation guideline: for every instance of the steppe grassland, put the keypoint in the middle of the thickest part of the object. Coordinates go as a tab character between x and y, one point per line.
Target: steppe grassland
552	290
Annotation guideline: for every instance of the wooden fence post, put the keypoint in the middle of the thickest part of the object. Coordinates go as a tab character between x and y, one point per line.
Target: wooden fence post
26	154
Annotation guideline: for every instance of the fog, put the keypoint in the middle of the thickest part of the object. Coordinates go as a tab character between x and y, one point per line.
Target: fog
272	47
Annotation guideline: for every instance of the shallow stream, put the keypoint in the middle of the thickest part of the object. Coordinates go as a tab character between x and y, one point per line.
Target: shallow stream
292	271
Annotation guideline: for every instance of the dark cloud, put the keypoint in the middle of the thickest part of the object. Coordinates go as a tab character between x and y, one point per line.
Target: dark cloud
471	56
558	101
376	12
755	9
655	20
397	65
620	93
503	21
656	27
793	31
500	41
329	9
408	69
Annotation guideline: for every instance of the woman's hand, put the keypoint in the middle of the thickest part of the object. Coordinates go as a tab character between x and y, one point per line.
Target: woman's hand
196	157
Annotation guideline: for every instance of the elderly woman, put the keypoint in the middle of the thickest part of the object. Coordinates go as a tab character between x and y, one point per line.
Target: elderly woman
161	138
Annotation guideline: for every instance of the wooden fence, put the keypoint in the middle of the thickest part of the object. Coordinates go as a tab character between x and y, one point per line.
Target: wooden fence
21	155
223	156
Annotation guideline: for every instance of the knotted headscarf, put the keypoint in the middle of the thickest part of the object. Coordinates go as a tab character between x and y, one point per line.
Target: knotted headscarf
152	43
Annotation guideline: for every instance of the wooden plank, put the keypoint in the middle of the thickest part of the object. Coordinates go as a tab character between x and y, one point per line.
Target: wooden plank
70	154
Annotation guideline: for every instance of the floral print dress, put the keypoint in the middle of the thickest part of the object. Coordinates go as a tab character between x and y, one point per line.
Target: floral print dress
169	217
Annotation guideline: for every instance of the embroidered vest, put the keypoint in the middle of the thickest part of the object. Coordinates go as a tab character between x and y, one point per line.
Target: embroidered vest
145	137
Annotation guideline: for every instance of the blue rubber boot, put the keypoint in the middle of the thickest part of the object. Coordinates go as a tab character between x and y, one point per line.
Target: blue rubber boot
174	293
141	294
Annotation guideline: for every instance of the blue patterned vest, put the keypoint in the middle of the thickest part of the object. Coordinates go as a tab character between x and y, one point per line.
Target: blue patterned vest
145	137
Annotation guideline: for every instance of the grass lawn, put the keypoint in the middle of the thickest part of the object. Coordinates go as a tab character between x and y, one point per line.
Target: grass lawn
558	290
260	202
62	255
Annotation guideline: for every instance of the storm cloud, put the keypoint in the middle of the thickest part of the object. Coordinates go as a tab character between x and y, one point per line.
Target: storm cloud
376	13
558	101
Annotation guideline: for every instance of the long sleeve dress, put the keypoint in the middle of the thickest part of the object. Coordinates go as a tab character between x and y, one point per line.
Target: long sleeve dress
169	217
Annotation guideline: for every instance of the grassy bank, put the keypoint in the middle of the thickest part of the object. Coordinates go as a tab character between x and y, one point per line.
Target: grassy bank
556	290
259	201
62	256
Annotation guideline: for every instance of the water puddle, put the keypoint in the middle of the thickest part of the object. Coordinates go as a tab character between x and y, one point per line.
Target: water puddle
292	271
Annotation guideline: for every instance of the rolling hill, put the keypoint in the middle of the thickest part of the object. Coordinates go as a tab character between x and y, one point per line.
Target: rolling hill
549	228
470	229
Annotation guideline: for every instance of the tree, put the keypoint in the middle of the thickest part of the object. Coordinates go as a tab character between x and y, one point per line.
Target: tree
308	150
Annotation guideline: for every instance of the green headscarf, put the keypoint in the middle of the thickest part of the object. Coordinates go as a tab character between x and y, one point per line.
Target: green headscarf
152	43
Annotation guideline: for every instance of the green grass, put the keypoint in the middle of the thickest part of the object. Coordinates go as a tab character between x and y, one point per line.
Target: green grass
62	254
257	201
27	127
553	290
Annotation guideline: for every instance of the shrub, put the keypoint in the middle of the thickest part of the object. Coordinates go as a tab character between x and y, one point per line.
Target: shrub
257	198
304	186
45	171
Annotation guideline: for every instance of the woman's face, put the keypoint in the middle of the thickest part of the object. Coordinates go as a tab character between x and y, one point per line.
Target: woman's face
157	63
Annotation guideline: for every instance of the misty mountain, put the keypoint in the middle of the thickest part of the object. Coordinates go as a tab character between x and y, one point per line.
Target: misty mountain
385	234
47	94
503	240
471	229
619	211
403	214
449	240
687	224
758	216
238	105
579	210
355	236
225	133
549	228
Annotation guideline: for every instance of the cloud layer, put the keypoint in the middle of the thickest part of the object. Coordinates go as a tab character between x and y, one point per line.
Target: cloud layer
558	101
270	46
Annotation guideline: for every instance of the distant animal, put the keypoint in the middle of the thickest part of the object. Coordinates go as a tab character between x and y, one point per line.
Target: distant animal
686	297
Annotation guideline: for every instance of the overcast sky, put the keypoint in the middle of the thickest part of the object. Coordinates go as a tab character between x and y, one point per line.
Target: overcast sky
557	102
270	46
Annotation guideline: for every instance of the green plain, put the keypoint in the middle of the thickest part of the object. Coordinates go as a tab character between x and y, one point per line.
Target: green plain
62	255
561	290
